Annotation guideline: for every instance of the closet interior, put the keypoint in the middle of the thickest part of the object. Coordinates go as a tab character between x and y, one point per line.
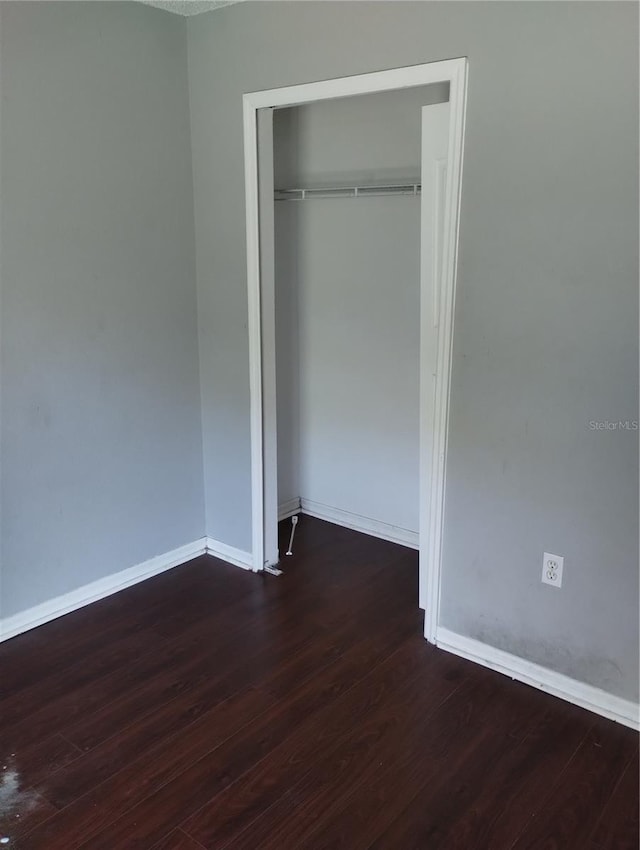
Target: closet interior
347	309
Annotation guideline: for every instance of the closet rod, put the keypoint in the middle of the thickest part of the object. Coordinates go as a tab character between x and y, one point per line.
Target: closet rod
347	191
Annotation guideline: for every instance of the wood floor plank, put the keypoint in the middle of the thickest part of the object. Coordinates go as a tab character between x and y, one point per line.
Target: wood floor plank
349	732
461	811
39	655
213	708
136	781
618	827
87	685
60	713
111	657
146	775
66	709
34	763
192	787
170	678
150	730
21	809
583	789
178	840
431	746
279	664
500	796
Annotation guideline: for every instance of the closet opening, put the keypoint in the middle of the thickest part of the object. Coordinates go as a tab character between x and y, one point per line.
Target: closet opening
352	216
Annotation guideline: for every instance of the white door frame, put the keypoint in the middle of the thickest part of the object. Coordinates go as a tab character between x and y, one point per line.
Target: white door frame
432	493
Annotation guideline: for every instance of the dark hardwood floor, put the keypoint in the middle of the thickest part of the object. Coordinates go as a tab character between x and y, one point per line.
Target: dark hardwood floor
213	708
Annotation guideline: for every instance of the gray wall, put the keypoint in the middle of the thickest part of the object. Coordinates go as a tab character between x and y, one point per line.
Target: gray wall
348	307
101	428
546	316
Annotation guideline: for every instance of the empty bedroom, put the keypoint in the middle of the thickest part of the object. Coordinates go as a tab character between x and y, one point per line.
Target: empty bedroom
319	425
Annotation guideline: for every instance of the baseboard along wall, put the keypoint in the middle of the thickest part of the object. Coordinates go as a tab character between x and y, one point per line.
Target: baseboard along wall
579	693
31	618
288	509
571	690
236	557
95	590
365	525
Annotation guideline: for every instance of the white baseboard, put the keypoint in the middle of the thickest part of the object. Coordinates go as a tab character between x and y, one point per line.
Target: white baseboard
236	557
287	509
60	605
373	527
573	691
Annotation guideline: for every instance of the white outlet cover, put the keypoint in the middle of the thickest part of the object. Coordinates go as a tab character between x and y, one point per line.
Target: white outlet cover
552	569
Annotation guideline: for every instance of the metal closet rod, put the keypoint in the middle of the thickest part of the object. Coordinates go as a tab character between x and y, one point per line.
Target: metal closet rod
348	191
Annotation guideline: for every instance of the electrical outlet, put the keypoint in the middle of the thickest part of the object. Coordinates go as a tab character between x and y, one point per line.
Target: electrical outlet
552	569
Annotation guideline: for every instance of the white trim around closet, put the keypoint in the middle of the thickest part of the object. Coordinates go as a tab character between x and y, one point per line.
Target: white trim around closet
454	72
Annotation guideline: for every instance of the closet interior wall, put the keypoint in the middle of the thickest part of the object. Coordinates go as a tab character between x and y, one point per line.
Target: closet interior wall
347	310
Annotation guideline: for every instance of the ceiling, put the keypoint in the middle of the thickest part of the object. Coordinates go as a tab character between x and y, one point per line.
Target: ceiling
189	7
